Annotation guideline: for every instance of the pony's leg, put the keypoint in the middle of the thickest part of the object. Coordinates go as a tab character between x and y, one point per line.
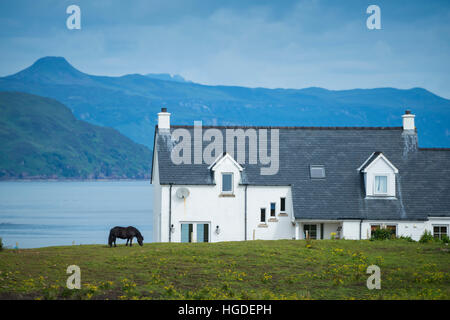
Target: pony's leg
131	241
126	244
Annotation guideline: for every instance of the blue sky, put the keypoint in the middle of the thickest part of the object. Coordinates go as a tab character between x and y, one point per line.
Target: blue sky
273	44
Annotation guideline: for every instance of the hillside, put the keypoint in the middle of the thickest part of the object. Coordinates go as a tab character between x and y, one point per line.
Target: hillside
263	270
40	138
129	103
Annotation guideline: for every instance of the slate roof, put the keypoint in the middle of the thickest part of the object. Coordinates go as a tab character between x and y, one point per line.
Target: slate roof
423	181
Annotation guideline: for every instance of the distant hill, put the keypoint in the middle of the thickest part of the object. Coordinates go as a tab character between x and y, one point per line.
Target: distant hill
129	103
40	138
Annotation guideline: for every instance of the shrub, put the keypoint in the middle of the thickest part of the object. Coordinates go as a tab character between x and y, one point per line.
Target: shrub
406	238
382	234
426	237
1	244
445	238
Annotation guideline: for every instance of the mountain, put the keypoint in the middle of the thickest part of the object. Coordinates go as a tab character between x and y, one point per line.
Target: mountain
40	138
129	103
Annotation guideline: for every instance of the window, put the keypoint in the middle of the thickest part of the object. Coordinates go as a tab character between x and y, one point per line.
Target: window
283	205
392	229
380	184
317	172
263	215
373	227
272	209
311	230
439	231
227	182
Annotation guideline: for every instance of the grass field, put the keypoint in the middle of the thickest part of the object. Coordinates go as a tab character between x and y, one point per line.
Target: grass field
284	269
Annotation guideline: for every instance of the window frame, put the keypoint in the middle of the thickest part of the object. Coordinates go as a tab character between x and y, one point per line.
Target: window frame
395	228
374	227
261	215
274	209
310	226
282	199
232	181
317	166
440	233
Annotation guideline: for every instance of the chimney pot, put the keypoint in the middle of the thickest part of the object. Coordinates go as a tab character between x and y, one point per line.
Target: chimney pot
408	121
163	119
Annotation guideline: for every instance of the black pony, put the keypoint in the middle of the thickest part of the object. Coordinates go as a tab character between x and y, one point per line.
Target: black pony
124	233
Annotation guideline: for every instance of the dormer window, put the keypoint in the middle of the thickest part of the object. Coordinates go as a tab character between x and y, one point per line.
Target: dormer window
379	177
227	182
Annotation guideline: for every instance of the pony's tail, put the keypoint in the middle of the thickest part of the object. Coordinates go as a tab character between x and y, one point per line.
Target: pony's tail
110	238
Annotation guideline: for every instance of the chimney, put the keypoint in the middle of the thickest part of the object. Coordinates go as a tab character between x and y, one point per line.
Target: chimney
163	119
408	121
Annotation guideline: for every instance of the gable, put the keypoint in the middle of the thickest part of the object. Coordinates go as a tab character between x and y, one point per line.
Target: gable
377	162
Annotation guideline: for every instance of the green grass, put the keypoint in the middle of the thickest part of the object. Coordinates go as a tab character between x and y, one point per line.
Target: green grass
284	269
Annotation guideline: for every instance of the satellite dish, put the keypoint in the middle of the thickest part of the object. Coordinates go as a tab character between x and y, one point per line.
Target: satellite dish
182	193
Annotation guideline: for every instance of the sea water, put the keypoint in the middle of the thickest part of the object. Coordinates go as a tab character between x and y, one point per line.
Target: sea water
50	213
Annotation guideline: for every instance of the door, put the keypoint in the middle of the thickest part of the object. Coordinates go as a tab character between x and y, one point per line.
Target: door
202	232
312	230
186	232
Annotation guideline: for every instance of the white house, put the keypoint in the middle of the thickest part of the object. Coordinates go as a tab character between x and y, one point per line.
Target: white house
322	180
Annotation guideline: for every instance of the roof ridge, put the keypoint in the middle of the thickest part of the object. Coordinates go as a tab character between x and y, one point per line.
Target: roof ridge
434	149
290	127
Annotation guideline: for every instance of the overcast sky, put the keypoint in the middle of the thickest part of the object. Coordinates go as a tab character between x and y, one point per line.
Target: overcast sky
274	44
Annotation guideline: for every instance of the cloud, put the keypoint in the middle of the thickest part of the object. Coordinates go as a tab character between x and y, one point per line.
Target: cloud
251	43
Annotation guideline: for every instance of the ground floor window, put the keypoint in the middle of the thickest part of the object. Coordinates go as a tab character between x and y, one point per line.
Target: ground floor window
374	227
311	229
439	231
392	229
263	215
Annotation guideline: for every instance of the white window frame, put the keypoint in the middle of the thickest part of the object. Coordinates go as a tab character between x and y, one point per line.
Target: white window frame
439	225
232	182
392	225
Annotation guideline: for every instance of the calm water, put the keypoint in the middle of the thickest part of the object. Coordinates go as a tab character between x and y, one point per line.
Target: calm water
40	214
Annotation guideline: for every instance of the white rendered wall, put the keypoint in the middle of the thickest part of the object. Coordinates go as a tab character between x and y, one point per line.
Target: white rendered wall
278	227
156	200
206	204
350	230
328	228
